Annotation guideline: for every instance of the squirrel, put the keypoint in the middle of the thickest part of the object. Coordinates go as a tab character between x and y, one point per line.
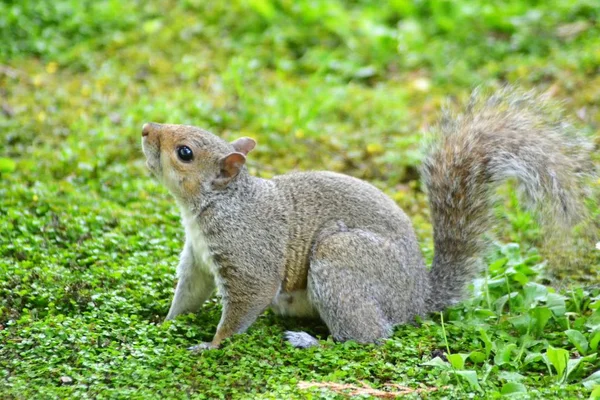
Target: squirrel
332	246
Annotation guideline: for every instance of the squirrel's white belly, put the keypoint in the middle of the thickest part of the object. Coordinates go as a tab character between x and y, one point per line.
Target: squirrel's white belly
202	256
294	304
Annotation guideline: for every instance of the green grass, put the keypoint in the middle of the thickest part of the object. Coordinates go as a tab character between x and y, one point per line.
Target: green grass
89	242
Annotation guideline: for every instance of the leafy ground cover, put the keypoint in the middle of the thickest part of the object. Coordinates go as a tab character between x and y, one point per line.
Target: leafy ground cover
89	242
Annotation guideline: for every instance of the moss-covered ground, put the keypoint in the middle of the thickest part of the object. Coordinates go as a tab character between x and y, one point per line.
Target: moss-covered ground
89	241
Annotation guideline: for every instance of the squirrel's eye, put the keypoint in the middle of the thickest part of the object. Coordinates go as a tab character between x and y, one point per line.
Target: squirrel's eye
185	153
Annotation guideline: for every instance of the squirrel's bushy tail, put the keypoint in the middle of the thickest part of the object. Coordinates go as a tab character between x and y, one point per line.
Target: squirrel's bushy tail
508	135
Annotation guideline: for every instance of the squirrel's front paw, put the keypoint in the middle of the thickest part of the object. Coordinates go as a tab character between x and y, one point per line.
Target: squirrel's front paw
203	346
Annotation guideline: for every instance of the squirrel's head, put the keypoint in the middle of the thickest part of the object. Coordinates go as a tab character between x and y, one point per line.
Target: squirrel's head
191	161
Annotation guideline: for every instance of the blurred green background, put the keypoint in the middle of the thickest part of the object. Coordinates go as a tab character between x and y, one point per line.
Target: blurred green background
89	242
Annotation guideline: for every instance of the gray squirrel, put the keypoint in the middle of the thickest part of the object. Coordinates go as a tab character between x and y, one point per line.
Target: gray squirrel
333	246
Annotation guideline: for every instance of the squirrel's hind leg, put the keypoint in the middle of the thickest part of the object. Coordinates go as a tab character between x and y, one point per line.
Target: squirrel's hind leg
347	284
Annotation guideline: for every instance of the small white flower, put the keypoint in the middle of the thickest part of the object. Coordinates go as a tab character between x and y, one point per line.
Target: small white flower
598	245
422	84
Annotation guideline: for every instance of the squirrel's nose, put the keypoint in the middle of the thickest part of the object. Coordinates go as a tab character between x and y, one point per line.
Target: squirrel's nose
147	128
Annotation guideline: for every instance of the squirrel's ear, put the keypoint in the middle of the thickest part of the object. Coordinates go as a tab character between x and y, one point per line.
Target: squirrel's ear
230	166
244	145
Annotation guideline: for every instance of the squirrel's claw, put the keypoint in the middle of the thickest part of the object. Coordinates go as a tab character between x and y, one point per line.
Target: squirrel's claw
203	346
300	340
